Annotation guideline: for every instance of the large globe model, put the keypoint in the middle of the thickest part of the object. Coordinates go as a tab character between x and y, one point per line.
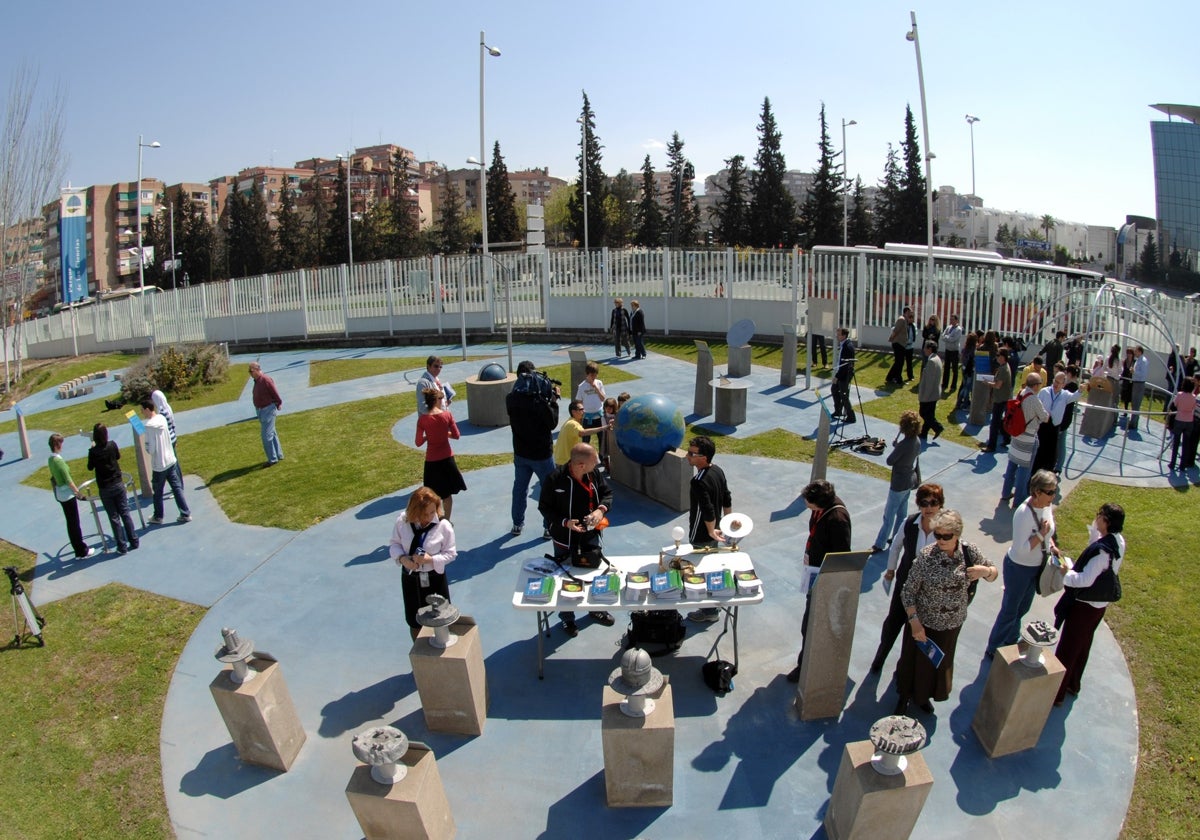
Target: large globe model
649	427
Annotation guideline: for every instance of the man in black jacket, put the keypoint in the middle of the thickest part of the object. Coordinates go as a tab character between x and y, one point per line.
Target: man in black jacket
828	532
532	416
575	501
843	409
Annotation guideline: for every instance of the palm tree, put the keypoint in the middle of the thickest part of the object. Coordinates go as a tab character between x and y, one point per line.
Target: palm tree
1048	223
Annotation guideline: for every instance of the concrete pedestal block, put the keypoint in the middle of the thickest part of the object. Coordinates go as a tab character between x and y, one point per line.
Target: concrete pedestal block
414	808
669	481
981	413
485	400
451	682
1098	424
23	436
832	616
625	471
702	402
639	753
866	804
731	404
259	715
1016	702
579	361
739	360
787	367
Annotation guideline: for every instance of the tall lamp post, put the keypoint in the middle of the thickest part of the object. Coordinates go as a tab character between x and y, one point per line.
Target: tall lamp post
349	227
971	120
911	35
846	186
484	51
140	253
584	132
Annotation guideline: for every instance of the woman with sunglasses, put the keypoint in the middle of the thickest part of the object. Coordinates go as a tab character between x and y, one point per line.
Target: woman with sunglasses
916	532
1033	537
935	599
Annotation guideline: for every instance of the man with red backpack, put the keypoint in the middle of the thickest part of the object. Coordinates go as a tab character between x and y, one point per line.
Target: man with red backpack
1020	451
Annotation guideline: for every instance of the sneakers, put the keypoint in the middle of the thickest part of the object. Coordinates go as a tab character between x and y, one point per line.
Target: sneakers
570	627
91	552
605	618
133	544
704	616
184	517
545	533
516	530
155	520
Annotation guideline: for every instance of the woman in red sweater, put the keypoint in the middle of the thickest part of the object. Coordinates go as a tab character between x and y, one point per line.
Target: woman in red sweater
436	428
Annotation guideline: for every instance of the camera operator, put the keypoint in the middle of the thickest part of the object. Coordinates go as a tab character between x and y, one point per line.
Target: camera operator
532	416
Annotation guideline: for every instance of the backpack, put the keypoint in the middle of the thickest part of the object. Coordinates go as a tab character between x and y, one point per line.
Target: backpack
656	627
1014	416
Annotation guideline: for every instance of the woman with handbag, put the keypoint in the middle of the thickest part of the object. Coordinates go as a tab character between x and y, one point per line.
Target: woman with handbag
1033	544
1091	585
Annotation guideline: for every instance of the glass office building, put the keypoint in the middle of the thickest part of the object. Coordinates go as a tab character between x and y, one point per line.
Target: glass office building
1176	145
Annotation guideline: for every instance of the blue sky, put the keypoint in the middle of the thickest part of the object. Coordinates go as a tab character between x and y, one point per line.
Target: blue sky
1062	89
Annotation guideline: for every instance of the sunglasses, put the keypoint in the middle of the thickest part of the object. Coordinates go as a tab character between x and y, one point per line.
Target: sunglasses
944	537
1048	492
929	503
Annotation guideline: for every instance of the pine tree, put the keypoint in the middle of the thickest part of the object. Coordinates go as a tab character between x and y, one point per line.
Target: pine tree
619	210
913	209
154	240
730	215
772	209
858	230
197	241
249	249
504	225
596	183
454	235
291	246
821	215
317	222
681	203
404	211
887	203
649	225
336	244
1148	263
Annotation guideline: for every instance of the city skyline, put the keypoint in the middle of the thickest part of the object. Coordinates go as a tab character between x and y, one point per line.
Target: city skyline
1064	128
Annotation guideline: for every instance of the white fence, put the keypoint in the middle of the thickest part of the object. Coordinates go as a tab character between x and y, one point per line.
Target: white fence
680	291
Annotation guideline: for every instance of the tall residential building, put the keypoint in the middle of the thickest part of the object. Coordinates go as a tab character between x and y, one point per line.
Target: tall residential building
1176	147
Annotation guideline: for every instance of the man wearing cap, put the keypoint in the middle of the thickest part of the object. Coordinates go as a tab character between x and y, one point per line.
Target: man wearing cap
532	416
709	493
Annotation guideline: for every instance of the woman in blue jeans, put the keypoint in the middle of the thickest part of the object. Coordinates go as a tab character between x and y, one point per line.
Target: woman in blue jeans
906	449
1033	536
104	459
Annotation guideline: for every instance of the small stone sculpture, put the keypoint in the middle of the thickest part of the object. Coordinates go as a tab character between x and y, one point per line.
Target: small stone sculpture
439	615
236	652
1037	636
637	678
895	737
382	747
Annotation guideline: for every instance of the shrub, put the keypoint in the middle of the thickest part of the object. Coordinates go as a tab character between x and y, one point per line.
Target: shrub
175	372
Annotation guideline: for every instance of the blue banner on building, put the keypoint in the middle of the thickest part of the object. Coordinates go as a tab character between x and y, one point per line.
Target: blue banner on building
72	241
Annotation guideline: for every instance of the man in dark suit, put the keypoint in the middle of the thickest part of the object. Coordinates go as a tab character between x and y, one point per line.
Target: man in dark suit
842	408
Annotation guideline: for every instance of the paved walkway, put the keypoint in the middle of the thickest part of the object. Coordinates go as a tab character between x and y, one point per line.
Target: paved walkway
325	601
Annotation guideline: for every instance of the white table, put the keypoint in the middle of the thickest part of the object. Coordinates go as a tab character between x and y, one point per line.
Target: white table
705	562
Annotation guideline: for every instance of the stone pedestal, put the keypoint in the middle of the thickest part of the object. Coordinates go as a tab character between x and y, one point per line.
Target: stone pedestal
787	367
259	715
624	471
739	360
414	808
485	400
868	805
702	403
579	361
23	436
451	682
820	462
832	615
1098	424
639	753
1016	702
669	481
981	412
731	402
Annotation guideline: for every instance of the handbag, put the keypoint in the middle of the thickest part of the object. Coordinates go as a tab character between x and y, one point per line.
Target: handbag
1050	576
1106	587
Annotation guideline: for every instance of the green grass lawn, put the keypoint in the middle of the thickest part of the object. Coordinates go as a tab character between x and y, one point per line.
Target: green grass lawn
324	372
1158	626
80	739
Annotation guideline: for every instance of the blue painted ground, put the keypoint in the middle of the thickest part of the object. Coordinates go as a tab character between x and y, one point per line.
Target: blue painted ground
326	602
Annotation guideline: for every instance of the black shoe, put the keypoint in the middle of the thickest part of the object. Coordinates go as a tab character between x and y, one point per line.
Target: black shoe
794	675
851	418
570	627
133	544
926	707
877	665
901	706
937	433
604	618
876	549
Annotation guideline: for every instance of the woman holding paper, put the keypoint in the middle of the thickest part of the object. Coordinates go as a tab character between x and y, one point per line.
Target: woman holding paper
422	544
935	598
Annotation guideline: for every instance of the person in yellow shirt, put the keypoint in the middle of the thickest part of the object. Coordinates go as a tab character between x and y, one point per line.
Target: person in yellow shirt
572	432
1036	366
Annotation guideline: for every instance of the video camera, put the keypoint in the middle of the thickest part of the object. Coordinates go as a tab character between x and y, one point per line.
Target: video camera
537	384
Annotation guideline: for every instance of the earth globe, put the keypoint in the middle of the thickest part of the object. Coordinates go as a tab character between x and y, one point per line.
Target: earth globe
648	427
492	373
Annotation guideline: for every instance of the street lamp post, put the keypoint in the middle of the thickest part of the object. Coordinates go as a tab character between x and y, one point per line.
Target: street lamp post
484	50
349	227
140	253
846	186
584	131
911	35
971	120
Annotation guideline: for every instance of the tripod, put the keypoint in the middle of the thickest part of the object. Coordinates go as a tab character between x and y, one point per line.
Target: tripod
33	622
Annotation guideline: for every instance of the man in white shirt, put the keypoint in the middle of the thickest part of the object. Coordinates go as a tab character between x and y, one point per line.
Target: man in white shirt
430	381
1141	367
163	464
